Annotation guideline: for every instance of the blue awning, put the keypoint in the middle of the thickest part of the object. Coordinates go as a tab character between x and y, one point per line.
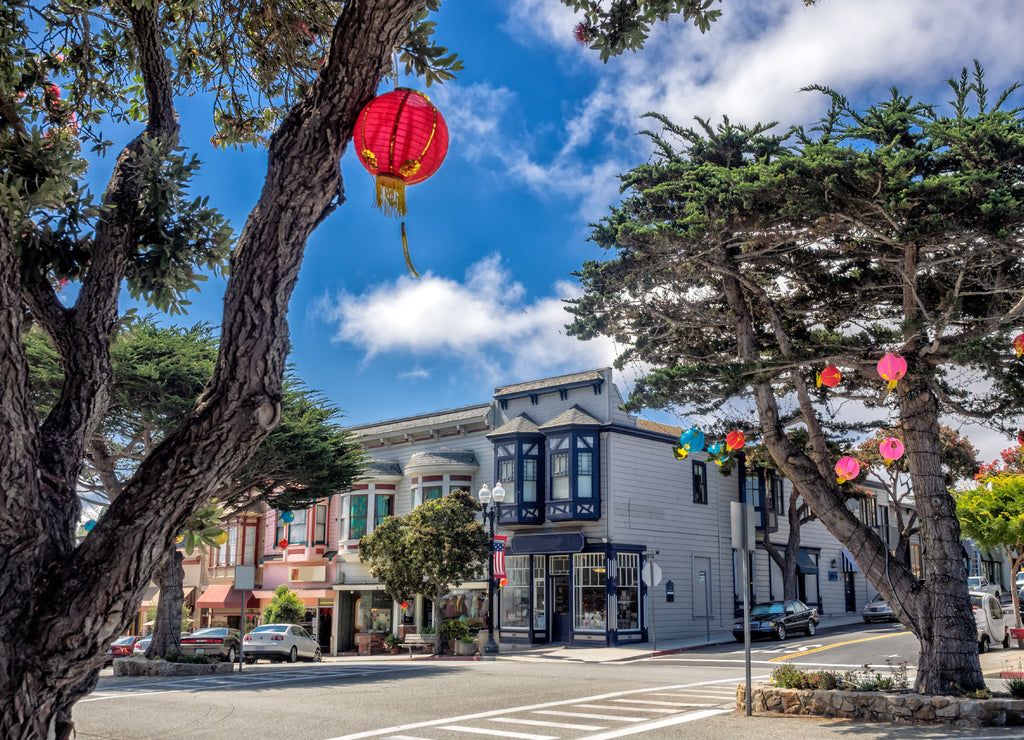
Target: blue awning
804	562
849	564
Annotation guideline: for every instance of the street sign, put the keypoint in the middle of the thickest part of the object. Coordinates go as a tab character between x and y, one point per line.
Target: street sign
652	574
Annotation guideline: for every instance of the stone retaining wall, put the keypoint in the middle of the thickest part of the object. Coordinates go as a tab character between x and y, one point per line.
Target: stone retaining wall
143	667
876	706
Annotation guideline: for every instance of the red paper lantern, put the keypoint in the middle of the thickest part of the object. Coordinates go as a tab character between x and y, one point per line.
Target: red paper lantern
847	469
283	543
891	449
735	440
830	377
892	367
401	139
1018	344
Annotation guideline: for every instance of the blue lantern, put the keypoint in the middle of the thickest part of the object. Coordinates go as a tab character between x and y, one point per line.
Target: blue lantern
89	525
288	517
692	439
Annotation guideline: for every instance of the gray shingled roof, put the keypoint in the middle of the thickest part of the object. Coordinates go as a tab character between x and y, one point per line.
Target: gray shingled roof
442	457
452	417
573	416
589	376
522	424
382	467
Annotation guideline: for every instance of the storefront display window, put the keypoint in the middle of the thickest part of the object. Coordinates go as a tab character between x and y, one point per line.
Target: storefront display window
373	612
589	596
628	598
515	595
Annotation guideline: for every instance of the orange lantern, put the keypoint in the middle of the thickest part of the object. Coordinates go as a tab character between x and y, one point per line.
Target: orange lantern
1018	344
892	367
401	139
847	468
830	377
891	449
735	440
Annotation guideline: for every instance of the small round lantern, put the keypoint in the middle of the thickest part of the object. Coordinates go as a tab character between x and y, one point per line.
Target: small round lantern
718	453
404	605
288	517
735	440
892	367
692	439
283	543
1020	437
401	139
89	525
1018	344
891	449
829	377
847	468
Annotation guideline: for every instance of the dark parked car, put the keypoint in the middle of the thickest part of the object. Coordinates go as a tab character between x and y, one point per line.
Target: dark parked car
777	619
122	647
217	642
877	610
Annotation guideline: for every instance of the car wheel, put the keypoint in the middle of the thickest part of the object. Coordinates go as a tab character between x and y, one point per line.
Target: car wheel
317	656
810	628
983	644
293	655
780	632
231	654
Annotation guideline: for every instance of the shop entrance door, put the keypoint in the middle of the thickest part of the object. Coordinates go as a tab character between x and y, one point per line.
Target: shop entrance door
561	609
324	620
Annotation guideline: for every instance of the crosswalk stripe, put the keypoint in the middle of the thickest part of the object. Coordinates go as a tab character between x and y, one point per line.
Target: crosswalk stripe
584	715
542	723
498	733
613	708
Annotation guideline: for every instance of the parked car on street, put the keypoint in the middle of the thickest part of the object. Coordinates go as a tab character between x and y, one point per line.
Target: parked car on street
121	648
980	583
217	642
993	622
142	646
277	642
777	619
877	610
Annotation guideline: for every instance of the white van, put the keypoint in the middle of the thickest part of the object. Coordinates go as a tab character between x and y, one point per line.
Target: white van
992	621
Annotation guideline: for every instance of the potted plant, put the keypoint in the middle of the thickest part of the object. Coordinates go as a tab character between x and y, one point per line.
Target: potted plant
466	645
392	643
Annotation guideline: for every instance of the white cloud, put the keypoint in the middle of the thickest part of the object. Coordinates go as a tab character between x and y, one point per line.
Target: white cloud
485	320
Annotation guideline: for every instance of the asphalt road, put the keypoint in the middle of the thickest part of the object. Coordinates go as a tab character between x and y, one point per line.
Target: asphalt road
682	695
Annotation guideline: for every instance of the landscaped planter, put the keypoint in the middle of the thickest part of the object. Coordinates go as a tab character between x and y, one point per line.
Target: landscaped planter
143	667
877	706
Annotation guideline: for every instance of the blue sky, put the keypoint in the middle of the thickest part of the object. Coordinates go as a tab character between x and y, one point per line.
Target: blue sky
539	130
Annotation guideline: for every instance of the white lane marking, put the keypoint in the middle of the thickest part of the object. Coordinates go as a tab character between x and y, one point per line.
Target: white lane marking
655	725
659	703
406	737
542	723
585	715
619	709
498	733
561	703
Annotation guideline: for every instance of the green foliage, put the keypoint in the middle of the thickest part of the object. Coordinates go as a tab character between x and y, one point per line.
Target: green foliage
391	642
1016	687
203	528
307	456
993	512
454	630
198	659
284	608
788	676
434	548
868	679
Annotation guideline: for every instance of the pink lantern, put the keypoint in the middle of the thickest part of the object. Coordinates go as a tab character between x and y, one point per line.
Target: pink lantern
892	367
891	449
847	468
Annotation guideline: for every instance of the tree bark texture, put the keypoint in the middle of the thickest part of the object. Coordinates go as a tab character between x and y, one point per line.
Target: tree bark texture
61	606
169	577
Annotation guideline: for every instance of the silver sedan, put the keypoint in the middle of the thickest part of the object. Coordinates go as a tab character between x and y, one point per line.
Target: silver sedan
277	642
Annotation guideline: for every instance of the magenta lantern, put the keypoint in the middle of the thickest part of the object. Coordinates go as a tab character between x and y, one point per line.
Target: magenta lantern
847	468
892	367
891	449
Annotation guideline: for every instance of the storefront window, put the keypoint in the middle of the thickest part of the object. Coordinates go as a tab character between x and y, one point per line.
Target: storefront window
538	593
515	595
589	596
373	612
628	578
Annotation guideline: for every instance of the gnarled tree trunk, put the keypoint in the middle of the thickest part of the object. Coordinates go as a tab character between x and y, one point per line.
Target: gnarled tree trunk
170	577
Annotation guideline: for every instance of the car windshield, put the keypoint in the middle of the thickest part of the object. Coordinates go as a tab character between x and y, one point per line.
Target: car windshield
764	610
272	628
974	581
125	641
976	602
878	599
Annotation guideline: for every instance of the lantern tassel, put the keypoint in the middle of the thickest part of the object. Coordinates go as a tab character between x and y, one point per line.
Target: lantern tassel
391	196
817	381
408	257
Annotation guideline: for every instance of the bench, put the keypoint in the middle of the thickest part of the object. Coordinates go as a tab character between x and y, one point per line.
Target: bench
415	640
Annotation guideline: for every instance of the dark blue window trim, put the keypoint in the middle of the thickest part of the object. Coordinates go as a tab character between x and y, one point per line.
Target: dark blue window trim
700	482
575	507
518	511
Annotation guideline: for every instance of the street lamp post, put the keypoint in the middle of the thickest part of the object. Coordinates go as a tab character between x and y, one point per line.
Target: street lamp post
491	512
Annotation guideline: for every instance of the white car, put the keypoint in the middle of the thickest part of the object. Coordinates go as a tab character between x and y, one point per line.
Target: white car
981	584
991	620
277	642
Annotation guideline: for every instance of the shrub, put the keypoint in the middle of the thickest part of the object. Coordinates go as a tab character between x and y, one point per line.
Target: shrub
454	630
467	639
1016	687
392	642
869	679
788	676
179	658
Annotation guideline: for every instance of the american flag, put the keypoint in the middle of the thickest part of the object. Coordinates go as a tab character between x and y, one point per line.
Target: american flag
499	556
